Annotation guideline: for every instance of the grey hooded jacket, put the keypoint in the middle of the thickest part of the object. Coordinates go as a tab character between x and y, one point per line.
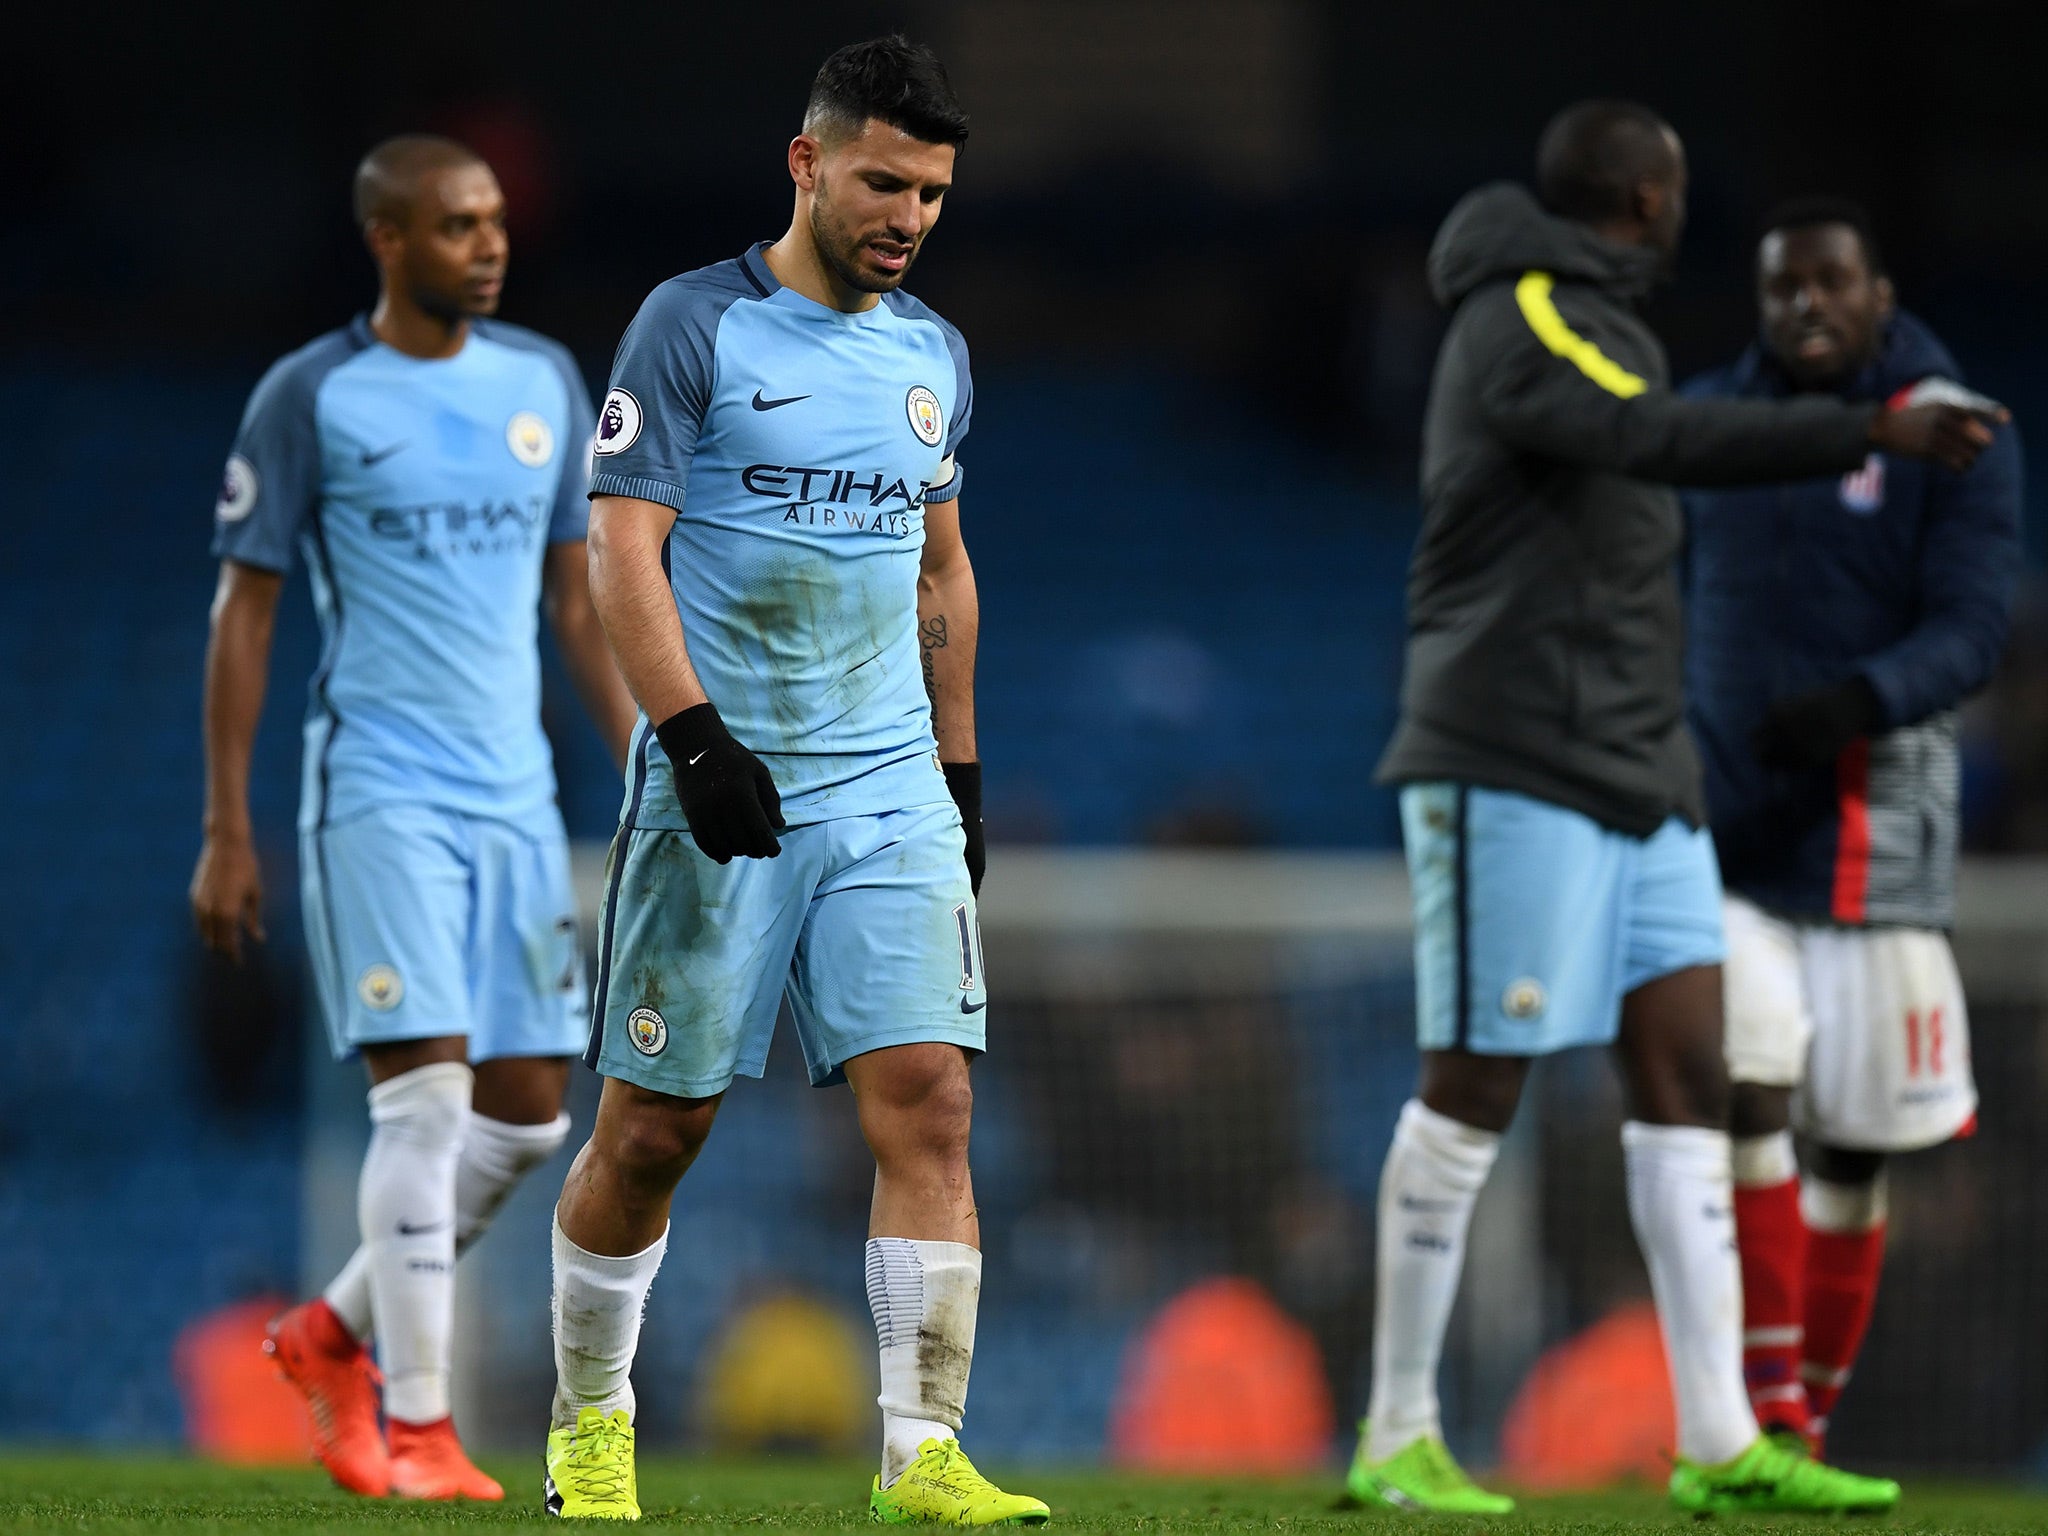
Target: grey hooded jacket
1544	633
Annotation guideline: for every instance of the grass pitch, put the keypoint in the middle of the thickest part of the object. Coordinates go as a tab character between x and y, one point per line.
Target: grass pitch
158	1497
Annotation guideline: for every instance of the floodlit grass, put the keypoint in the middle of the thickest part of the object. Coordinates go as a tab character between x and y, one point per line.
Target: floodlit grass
72	1493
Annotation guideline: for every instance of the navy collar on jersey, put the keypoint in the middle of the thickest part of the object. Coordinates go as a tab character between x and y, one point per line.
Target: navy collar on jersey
362	338
754	263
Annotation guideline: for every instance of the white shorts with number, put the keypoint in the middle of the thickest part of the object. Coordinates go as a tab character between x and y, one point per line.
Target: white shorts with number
1868	1024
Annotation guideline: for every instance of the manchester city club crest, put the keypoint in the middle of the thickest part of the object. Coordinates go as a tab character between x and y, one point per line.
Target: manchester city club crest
381	988
927	420
530	438
618	423
649	1031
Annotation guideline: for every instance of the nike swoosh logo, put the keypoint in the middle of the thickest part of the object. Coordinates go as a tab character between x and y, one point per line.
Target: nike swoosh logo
693	762
967	1007
407	1229
769	405
381	454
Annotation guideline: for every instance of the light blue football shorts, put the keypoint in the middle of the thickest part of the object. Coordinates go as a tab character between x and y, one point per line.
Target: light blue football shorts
866	922
423	923
1532	922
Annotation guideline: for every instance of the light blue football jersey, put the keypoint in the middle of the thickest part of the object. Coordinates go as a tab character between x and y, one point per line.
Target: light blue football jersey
799	446
423	495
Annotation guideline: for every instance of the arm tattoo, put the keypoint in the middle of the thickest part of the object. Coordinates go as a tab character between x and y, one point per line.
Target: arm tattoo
931	636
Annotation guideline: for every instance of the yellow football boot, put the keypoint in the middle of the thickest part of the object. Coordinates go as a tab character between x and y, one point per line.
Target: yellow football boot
941	1487
590	1468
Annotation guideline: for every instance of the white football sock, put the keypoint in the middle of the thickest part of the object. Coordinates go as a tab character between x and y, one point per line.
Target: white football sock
1681	1197
925	1297
406	1208
597	1306
349	1294
1845	1207
496	1155
1763	1162
1433	1174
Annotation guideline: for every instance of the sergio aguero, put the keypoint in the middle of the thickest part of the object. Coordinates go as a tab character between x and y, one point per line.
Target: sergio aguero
776	556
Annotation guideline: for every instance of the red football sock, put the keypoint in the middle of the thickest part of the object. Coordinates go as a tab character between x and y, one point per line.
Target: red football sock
1771	1236
1841	1293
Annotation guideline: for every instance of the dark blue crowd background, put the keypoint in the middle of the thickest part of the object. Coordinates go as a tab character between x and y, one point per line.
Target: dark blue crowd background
1186	247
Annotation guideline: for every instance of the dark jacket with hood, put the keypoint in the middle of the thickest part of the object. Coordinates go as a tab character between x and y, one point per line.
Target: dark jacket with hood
1901	573
1545	644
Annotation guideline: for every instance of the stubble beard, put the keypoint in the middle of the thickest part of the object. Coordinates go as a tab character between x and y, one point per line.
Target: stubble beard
841	250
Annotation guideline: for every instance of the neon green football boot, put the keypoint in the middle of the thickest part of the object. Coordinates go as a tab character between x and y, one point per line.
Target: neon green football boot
1775	1475
1420	1478
941	1487
590	1468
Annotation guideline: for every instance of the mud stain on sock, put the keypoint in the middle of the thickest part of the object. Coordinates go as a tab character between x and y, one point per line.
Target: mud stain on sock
945	1348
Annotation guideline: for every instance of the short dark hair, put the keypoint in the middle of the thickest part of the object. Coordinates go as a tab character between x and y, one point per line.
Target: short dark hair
1593	155
1813	212
390	173
891	78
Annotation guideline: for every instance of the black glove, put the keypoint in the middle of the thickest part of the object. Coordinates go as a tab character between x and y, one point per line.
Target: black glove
727	795
964	780
1809	730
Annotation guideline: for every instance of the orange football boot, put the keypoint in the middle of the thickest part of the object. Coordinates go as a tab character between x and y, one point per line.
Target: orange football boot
428	1462
339	1380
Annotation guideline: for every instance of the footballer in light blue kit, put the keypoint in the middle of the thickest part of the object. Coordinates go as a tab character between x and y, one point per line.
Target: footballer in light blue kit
430	467
776	555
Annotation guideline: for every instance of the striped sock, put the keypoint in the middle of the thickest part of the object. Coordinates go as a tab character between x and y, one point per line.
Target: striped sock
925	1295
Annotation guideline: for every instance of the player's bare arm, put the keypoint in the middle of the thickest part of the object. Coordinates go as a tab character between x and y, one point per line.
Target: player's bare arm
572	615
630	593
727	794
227	885
948	627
